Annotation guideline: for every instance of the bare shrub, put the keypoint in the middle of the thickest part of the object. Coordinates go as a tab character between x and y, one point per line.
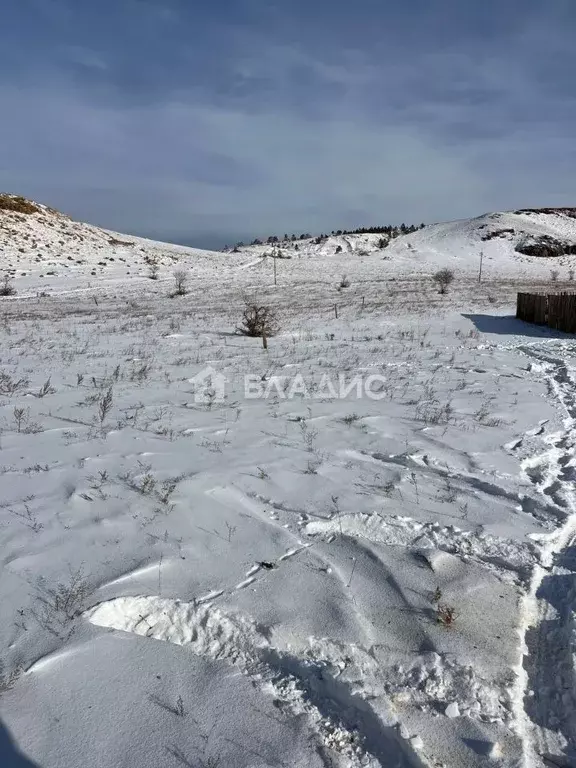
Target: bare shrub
8	679
153	269
258	320
20	417
140	373
9	386
6	288
46	389
180	282
29	519
443	278
446	615
554	273
344	282
58	606
105	405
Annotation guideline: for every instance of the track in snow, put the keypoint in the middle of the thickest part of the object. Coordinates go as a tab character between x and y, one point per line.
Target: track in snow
550	701
549	666
343	721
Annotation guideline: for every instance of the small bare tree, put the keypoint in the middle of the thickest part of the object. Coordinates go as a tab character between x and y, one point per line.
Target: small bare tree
344	282
153	269
258	320
105	405
554	275
443	278
180	282
6	288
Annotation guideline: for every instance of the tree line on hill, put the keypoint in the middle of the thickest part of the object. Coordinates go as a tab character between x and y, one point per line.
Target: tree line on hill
389	230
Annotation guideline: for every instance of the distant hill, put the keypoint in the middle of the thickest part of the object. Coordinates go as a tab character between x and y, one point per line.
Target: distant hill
531	241
40	246
36	239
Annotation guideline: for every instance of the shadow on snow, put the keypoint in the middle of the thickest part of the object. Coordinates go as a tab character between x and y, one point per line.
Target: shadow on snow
509	325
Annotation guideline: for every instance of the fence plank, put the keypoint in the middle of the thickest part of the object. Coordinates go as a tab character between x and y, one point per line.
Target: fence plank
557	310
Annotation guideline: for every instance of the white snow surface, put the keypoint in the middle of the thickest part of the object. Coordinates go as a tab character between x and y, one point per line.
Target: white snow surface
284	581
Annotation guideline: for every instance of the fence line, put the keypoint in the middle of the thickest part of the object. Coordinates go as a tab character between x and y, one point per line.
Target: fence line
557	310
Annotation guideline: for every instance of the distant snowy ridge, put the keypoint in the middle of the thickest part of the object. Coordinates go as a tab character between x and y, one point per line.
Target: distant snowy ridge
37	242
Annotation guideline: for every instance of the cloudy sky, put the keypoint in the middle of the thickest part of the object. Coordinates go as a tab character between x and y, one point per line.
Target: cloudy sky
210	121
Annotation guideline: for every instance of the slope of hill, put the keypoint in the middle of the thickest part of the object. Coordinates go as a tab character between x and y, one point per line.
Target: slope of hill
39	242
509	242
505	239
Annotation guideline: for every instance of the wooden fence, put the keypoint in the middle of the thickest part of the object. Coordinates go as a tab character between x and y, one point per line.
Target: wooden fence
557	310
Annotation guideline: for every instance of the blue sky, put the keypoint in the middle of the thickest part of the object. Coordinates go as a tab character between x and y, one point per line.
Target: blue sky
205	122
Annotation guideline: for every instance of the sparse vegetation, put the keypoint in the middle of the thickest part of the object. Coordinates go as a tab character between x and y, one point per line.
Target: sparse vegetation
153	269
18	204
10	386
105	405
258	320
57	606
445	614
344	282
443	278
29	519
6	287
180	282
46	389
8	679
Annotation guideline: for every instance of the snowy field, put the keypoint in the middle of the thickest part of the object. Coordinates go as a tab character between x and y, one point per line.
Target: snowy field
202	577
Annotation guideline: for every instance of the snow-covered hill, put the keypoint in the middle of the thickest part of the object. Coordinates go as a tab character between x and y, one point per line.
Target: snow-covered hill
42	247
44	250
501	237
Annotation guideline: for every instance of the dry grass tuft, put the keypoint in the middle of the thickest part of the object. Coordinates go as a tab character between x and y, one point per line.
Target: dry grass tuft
17	203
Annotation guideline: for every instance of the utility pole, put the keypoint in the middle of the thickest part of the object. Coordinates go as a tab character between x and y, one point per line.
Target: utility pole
274	257
480	273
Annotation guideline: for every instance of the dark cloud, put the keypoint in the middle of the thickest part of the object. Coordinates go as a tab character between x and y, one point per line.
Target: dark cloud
172	118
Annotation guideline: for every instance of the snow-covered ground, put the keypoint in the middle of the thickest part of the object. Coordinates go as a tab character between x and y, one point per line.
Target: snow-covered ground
192	575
